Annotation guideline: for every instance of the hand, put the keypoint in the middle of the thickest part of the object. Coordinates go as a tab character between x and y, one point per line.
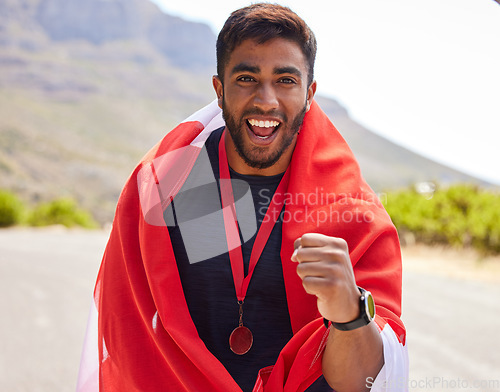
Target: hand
326	272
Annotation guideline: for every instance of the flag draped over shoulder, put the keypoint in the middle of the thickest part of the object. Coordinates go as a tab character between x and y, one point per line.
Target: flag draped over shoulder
140	335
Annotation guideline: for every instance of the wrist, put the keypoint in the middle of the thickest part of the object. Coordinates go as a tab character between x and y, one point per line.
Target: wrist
365	316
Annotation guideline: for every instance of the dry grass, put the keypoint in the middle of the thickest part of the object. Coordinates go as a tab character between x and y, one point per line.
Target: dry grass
445	261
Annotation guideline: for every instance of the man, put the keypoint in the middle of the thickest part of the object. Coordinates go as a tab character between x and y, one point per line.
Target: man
246	244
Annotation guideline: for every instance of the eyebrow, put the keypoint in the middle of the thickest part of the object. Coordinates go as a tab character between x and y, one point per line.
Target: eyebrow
288	70
245	67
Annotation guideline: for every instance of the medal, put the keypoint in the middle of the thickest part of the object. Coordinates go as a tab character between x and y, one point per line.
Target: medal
241	339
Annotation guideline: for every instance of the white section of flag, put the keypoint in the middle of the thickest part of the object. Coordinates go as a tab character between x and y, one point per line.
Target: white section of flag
88	376
393	377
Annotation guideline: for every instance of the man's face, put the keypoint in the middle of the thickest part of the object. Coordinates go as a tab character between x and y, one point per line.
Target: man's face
264	99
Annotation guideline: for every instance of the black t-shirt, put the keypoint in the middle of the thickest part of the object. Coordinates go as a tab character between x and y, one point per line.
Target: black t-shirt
208	283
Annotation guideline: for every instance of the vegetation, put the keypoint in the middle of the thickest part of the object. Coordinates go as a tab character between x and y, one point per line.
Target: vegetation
64	211
11	209
61	212
460	215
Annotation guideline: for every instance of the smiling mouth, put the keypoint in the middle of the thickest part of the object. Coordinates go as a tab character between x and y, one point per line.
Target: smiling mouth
263	129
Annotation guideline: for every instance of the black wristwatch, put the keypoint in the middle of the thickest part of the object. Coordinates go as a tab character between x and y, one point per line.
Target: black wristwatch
366	313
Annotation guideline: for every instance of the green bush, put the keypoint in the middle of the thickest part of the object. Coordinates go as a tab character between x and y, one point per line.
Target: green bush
62	211
461	215
11	209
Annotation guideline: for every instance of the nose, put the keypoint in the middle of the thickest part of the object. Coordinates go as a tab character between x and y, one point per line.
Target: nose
266	98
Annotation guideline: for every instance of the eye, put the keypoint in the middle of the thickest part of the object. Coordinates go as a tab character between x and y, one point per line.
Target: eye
245	79
287	80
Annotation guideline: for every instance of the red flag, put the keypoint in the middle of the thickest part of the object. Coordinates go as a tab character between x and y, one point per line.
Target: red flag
145	337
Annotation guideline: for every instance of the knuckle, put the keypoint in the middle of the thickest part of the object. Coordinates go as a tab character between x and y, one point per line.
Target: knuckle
342	244
300	269
334	284
311	285
333	269
306	285
306	239
299	256
307	236
334	253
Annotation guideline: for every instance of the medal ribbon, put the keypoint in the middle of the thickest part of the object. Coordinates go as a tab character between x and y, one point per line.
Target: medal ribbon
231	224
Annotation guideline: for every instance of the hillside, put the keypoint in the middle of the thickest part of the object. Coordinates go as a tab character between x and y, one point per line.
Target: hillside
88	86
384	164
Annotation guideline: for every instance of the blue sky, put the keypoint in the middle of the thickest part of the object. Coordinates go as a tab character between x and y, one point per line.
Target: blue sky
424	74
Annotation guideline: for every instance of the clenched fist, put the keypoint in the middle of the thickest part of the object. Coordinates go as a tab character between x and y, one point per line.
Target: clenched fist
325	268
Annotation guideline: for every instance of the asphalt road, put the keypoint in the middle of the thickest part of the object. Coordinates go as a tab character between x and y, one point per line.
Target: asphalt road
46	283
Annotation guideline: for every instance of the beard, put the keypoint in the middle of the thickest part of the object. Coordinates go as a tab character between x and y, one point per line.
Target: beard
261	157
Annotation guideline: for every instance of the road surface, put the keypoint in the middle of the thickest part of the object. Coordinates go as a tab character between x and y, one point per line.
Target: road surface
46	282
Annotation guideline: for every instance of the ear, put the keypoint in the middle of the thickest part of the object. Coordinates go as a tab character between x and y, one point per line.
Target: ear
310	95
219	89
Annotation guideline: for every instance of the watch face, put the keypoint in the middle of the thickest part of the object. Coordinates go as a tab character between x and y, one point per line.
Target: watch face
370	305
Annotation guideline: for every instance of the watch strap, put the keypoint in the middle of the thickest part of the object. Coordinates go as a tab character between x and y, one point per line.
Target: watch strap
361	321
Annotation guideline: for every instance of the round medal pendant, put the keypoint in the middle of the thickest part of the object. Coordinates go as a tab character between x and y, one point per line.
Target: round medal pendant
241	340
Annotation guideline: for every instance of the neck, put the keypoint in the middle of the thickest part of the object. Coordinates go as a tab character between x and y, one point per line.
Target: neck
238	164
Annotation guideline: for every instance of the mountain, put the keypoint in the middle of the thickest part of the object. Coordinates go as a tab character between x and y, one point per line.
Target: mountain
185	44
387	165
88	86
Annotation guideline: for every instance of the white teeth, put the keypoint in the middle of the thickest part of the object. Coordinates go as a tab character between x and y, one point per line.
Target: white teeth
263	124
